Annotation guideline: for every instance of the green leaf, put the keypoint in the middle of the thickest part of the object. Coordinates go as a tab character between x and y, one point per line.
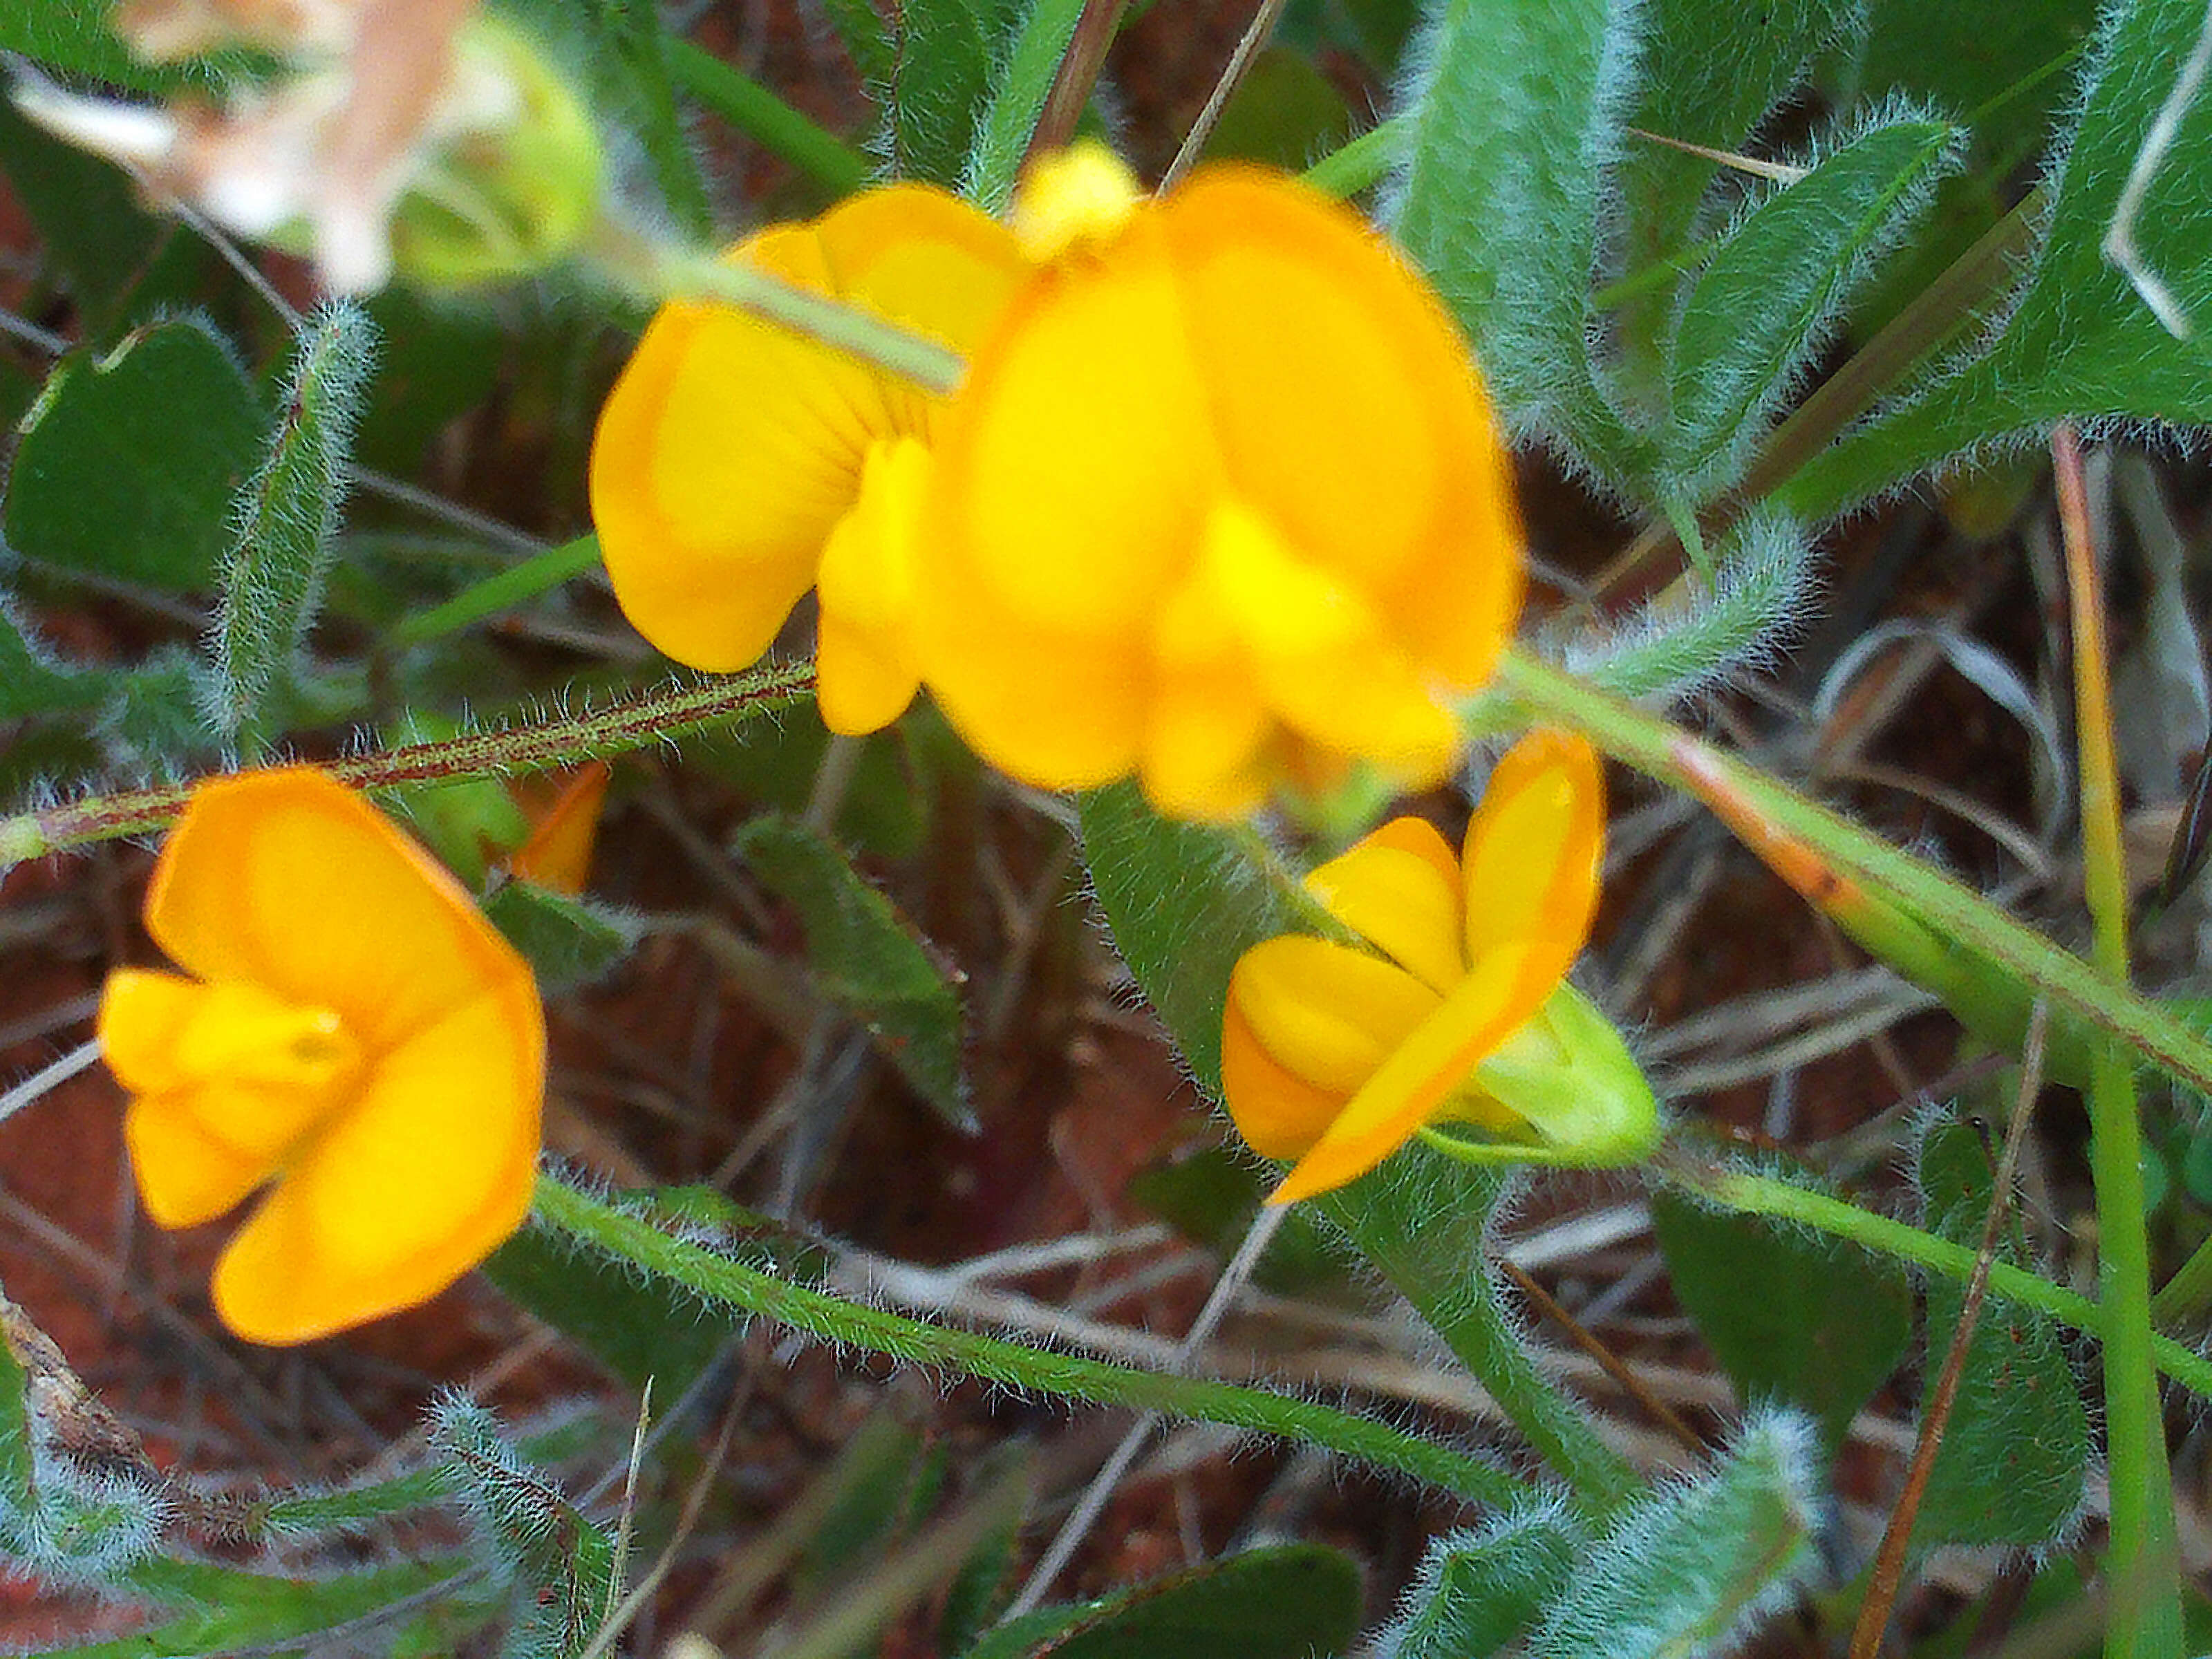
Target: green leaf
2081	343
2015	1453
434	364
1693	1568
1987	63
867	959
1017	99
1184	902
1290	1603
1710	75
567	941
1759	309
1792	1316
127	465
32	682
98	239
640	1326
860	26
75	37
286	518
250	1612
1512	121
944	64
1479	1588
562	1563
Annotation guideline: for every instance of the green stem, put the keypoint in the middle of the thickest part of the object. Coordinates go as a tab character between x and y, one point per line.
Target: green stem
1423	1221
1754	1195
1353	167
759	114
634	723
536	574
719	1278
2145	1621
656	271
1534	691
2188	1291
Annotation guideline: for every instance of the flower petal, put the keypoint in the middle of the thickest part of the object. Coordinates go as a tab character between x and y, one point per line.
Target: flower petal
1277	1112
1075	466
289	881
866	661
731	446
427	1170
143	1014
723	455
186	1175
1346	409
1418	1078
1397	898
1057	708
1319	650
1325	1011
1206	729
1534	851
557	855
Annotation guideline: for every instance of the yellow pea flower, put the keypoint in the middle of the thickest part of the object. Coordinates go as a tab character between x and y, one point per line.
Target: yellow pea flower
1220	503
348	1031
1457	1008
736	462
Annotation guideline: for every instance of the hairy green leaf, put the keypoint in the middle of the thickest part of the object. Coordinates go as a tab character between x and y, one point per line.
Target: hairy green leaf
1759	310
1515	116
127	464
1479	1588
1016	100
867	959
32	681
2015	1453
1792	1316
287	516
1693	1568
566	940
1290	1603
2081	342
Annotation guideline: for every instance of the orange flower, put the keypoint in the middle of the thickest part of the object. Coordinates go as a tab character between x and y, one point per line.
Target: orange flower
735	462
349	1032
1454	1004
1220	502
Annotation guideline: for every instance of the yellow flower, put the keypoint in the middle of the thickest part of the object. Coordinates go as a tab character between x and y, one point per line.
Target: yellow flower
1455	1006
736	461
352	1033
1220	502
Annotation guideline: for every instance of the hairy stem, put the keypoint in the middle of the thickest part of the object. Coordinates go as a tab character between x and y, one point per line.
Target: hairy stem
537	746
607	1227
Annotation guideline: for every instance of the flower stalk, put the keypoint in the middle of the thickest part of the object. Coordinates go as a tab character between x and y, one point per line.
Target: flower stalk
1528	691
606	1226
536	746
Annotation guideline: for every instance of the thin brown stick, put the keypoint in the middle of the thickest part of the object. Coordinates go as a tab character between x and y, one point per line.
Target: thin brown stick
1078	73
1608	1361
1232	76
1889	1560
